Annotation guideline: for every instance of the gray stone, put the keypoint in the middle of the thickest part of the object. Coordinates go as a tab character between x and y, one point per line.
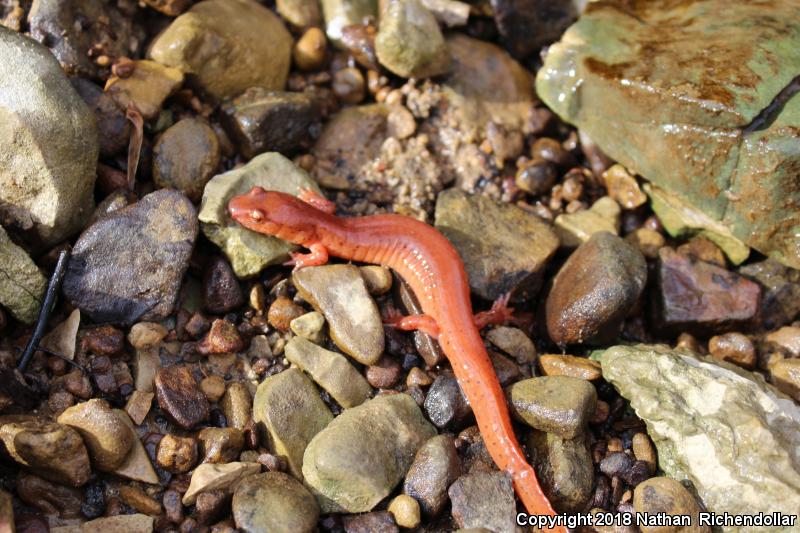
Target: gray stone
780	291
47	168
360	457
564	468
712	424
289	410
185	157
261	120
22	285
330	370
129	265
555	404
527	25
436	466
712	128
274	501
71	28
227	46
504	248
409	42
248	251
484	500
595	290
339	293
113	129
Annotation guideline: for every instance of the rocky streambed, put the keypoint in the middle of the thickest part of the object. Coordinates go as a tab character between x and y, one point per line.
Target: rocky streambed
626	171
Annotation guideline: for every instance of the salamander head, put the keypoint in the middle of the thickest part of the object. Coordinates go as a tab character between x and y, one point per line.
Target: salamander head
273	213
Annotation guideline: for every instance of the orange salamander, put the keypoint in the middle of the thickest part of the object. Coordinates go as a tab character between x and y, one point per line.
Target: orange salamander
435	272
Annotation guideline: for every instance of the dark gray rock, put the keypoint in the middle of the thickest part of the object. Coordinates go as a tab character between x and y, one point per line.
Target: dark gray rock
113	129
436	466
128	266
446	405
527	25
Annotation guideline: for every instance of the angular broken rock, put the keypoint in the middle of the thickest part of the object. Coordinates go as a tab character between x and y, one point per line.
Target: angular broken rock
723	428
224	477
712	128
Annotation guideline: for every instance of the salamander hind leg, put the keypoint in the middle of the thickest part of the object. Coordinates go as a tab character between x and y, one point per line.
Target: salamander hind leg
424	323
498	314
318	256
316	200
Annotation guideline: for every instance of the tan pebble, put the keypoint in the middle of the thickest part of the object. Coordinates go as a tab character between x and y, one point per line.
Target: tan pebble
378	279
309	51
703	249
643	450
514	342
666	495
569	365
785	375
647	241
349	86
614	445
139	405
258	297
735	348
139	500
405	510
213	387
401	123
786	340
176	454
418	377
310	326
687	341
623	187
146	334
395	97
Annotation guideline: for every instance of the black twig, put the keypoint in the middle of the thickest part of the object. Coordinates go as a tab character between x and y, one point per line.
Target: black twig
46	309
61	356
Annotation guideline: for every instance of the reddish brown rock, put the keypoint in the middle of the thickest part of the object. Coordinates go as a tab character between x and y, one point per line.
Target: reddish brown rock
223	337
180	396
221	290
703	298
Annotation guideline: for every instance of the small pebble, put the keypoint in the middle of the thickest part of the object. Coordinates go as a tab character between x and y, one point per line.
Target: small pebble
177	454
385	374
220	445
405	510
687	341
349	86
514	342
139	500
223	337
647	241
401	125
213	387
104	340
221	290
666	495
282	312
173	509
310	326
536	177
258	297
550	150
703	249
418	378
785	375
644	450
180	397
374	522
569	365
146	334
735	348
623	187
309	51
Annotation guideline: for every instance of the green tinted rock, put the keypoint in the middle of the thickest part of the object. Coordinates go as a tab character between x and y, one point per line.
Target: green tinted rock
274	501
676	92
723	428
341	13
555	404
573	229
22	285
363	454
290	411
247	250
409	42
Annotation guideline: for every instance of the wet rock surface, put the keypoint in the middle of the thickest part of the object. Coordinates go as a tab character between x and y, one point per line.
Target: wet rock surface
504	249
594	291
339	293
360	457
180	397
671	391
249	43
717	97
555	404
47	175
274	502
128	266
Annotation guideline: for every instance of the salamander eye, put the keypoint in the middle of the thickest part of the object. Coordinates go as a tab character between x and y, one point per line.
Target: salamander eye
257	215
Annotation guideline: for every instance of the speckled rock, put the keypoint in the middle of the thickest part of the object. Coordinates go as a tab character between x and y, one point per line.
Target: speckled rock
47	170
576	228
129	265
289	410
644	68
227	46
53	451
339	293
248	251
274	501
556	404
564	468
360	457
594	291
261	120
702	412
436	466
665	495
484	500
504	248
71	28
180	397
224	477
185	157
106	436
409	42
22	284
330	370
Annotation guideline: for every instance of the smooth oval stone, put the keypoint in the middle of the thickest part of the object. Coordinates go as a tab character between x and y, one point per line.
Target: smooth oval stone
665	495
330	370
237	404
290	411
339	293
359	458
274	501
106	436
185	157
595	290
227	46
53	451
48	166
436	466
409	42
555	404
129	265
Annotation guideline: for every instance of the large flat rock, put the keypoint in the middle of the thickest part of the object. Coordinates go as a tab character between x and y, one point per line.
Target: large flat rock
683	93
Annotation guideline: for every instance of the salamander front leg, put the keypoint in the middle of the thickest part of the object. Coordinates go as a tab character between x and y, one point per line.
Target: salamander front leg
318	256
498	314
316	200
424	323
